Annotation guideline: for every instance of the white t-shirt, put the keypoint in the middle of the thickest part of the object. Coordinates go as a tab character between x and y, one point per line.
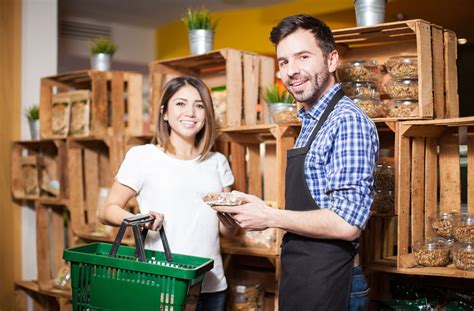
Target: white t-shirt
174	188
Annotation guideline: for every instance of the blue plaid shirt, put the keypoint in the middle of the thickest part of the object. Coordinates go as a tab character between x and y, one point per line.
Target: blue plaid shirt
340	165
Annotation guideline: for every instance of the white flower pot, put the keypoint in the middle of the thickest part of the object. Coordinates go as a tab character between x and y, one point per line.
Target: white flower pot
201	41
101	61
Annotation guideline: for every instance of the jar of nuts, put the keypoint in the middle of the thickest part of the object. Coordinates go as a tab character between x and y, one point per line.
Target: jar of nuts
384	177
359	70
402	108
443	224
431	254
463	256
373	107
360	89
406	89
383	202
403	67
464	228
283	113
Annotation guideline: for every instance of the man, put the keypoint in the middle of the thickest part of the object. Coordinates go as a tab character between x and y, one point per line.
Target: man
329	177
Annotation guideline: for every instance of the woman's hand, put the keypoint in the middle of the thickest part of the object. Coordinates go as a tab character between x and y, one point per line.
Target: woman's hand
157	223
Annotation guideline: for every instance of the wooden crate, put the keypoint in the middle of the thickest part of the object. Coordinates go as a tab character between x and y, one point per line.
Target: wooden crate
116	105
244	74
92	164
51	160
257	157
436	50
429	162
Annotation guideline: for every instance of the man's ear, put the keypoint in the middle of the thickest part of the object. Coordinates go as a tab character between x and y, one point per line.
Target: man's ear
332	59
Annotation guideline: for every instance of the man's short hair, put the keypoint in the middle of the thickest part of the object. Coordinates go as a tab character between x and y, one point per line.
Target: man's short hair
288	25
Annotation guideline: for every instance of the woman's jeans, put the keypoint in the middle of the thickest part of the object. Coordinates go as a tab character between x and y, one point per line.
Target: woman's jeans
211	301
359	300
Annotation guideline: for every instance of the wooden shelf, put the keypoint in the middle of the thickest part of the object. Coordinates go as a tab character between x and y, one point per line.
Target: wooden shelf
53	292
239	249
432	271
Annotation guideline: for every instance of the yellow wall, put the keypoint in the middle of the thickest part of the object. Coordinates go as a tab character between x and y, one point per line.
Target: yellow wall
249	29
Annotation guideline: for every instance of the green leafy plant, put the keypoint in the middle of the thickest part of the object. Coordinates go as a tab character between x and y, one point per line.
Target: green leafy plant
198	19
102	45
32	113
273	95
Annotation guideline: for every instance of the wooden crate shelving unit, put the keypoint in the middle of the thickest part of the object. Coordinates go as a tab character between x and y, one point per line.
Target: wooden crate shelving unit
116	100
435	48
51	158
429	161
257	157
92	164
244	74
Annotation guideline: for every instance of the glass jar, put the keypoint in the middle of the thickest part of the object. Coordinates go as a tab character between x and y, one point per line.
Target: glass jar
246	297
359	70
384	177
464	228
373	107
402	108
463	256
431	254
403	67
283	113
406	89
443	224
360	89
383	202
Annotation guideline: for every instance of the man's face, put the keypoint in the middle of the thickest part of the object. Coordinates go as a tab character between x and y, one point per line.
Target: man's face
303	68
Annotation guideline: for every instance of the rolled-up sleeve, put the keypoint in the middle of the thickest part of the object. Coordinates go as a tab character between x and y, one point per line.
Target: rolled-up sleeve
351	169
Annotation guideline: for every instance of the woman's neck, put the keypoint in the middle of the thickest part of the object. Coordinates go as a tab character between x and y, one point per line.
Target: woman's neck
184	149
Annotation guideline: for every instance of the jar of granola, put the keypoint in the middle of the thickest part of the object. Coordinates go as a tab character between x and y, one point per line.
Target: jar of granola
383	202
464	228
406	89
360	89
431	254
463	256
403	67
373	107
443	224
359	70
402	108
384	177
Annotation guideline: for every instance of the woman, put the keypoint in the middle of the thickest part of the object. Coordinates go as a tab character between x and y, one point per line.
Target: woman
169	177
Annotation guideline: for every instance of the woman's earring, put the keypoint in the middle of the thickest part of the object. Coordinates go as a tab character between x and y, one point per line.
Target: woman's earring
165	118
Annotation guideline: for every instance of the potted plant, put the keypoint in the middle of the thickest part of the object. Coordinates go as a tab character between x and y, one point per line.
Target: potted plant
102	50
201	30
32	114
281	105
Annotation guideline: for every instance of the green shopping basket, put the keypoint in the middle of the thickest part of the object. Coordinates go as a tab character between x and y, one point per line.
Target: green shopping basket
105	276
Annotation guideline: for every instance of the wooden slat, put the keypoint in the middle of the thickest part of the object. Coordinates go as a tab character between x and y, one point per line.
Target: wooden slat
43	247
135	104
91	183
431	183
449	172
470	172
254	173
118	103
284	143
438	70
57	240
76	188
99	112
378	238
62	159
46	99
267	78
425	71
417	189
270	179
403	192
251	67
451	76
234	88
237	153
15	171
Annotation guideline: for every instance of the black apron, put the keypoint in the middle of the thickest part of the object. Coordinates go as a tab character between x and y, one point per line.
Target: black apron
316	273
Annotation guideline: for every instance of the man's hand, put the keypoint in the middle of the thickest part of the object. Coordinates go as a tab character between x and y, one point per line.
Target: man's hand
253	215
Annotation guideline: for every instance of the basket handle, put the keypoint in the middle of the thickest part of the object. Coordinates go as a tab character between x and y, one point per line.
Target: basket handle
135	221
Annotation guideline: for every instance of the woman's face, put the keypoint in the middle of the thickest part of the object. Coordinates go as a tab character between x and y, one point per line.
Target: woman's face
186	113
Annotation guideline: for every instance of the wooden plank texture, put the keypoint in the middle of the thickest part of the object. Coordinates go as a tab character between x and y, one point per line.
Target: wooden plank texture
234	87
438	69
451	76
251	67
425	71
417	189
431	184
449	172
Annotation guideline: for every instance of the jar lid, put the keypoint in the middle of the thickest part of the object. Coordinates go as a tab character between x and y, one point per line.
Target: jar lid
360	83
360	63
403	59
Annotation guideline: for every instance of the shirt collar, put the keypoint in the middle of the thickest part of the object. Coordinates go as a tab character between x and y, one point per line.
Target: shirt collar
318	108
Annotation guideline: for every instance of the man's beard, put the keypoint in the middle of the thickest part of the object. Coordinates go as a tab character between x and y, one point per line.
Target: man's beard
318	83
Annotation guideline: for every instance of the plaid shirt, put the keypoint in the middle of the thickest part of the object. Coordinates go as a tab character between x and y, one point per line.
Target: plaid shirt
340	165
